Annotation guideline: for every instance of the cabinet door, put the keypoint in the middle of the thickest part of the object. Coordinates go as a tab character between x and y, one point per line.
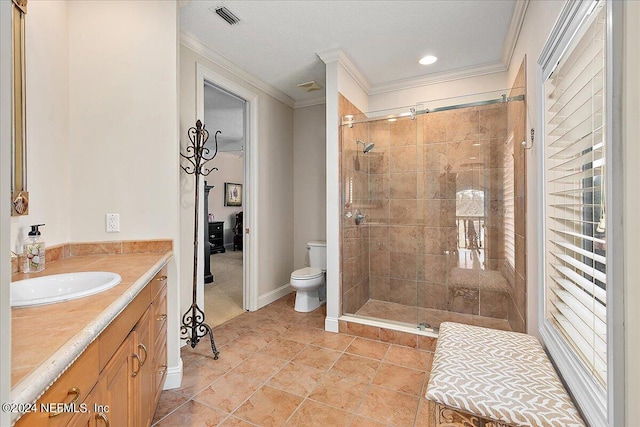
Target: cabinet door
142	371
159	335
97	414
118	385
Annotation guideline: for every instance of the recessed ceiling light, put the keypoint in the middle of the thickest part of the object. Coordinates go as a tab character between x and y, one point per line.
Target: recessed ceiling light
428	60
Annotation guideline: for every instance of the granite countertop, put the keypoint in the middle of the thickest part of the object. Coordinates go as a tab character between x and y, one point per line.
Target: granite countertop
47	339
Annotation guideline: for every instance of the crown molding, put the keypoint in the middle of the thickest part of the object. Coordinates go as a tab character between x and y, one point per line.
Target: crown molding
310	102
513	32
197	46
446	76
338	55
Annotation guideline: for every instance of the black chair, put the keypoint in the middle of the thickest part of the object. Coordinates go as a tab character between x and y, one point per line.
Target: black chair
237	232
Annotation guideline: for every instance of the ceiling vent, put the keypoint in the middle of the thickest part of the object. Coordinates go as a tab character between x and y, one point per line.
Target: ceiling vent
227	15
310	86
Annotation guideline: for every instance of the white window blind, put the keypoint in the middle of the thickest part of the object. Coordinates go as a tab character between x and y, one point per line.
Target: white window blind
576	238
509	205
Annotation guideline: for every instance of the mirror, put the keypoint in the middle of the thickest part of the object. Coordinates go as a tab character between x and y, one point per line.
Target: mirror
19	194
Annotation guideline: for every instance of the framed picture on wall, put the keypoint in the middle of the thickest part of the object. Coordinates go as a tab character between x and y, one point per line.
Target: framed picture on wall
232	194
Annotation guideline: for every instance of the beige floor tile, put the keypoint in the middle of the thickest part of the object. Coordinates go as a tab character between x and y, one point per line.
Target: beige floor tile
349	365
390	407
422	418
400	378
231	356
368	348
235	422
169	401
253	341
333	341
259	367
268	407
314	414
198	375
193	414
282	348
342	392
359	421
302	334
317	357
409	357
297	379
228	392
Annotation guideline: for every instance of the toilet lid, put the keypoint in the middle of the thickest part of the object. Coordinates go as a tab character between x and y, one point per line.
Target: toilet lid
306	273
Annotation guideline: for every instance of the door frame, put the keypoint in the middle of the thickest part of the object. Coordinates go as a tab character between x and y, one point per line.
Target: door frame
250	190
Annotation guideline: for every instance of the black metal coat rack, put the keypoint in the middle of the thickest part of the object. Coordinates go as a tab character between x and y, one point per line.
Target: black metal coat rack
193	325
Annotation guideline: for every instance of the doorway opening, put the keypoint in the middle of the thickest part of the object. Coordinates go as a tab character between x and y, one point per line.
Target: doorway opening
223	289
229	286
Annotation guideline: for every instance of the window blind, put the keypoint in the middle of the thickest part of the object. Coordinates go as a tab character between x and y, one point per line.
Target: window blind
509	205
575	234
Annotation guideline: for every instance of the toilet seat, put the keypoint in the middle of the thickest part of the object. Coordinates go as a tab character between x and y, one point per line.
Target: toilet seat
307	273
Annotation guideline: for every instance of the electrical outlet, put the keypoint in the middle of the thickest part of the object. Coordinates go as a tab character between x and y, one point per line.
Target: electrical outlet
112	223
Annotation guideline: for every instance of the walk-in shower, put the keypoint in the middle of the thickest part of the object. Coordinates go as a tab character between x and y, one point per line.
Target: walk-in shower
443	198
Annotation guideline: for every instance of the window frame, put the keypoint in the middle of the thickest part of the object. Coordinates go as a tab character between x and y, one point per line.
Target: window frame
597	407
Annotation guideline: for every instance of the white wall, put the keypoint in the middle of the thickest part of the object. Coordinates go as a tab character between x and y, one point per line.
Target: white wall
230	169
631	135
102	126
449	89
538	23
5	194
123	112
48	146
309	180
274	230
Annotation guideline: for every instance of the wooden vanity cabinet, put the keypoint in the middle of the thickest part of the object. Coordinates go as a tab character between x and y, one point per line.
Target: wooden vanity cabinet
122	371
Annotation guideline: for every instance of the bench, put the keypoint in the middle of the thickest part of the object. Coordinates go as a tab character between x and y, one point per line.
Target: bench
488	378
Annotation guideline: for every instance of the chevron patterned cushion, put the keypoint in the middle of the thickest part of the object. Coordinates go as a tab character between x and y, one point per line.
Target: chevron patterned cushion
503	376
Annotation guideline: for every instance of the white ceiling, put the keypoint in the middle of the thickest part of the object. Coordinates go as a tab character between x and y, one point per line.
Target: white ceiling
278	41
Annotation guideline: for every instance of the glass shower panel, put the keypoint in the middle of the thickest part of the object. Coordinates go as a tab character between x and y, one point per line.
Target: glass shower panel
463	235
381	219
428	212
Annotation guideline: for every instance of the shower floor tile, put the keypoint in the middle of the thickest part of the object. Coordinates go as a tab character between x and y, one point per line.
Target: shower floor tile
294	374
400	313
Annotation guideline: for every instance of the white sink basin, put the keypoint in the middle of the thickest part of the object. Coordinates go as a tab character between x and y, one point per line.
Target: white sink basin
61	287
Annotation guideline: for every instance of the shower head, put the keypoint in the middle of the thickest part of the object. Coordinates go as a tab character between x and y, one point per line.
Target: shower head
367	146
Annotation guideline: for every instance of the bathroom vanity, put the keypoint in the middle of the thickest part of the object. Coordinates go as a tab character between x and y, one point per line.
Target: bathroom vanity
108	360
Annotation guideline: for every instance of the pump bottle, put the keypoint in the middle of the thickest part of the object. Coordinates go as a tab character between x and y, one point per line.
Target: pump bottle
34	251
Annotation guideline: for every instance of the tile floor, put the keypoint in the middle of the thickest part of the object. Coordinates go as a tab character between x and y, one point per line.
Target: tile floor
278	367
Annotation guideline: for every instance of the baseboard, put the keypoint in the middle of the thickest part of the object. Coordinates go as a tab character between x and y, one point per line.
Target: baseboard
174	377
274	295
331	324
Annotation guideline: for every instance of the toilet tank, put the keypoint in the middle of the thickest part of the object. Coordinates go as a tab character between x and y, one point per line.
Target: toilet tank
317	254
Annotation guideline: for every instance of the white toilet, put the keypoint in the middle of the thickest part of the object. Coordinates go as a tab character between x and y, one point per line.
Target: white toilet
309	281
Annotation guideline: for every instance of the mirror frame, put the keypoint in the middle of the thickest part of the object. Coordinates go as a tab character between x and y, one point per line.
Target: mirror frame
19	193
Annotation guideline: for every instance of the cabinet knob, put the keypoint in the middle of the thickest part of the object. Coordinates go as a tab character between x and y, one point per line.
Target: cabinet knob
162	317
161	278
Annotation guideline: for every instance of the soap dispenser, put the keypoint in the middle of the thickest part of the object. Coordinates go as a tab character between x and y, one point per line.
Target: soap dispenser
34	251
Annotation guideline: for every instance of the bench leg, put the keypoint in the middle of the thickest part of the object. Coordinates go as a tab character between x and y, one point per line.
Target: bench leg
443	416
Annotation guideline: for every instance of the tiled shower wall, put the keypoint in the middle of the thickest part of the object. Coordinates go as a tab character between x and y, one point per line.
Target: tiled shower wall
416	171
407	250
355	239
